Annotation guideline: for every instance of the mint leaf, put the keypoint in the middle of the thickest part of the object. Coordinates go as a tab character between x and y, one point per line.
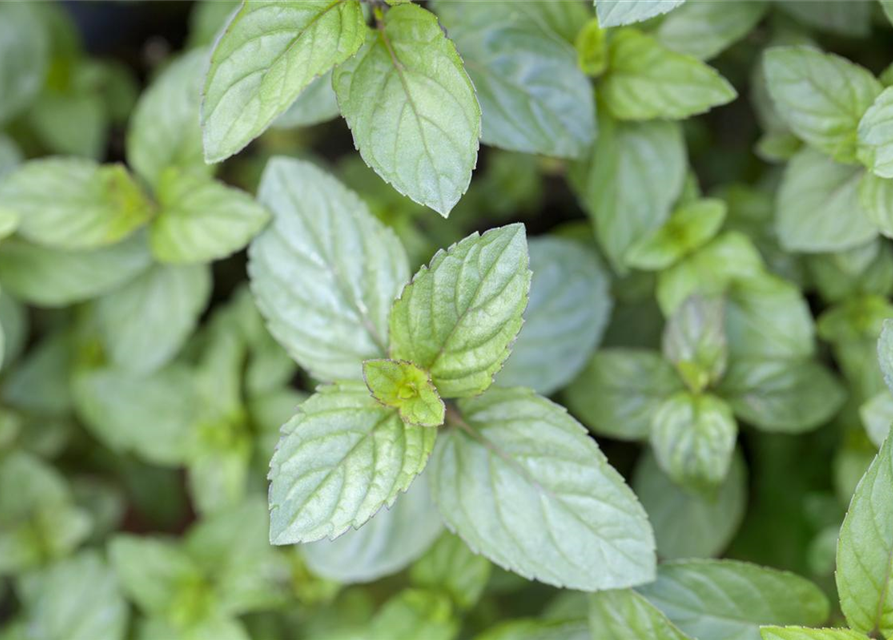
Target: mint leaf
201	220
625	615
731	599
821	96
55	278
629	184
24	58
565	319
885	352
412	614
689	227
695	341
459	315
875	149
533	97
268	54
164	131
405	387
689	524
704	28
510	447
693	437
153	571
876	199
832	16
802	633
340	459
818	206
620	390
451	566
421	132
72	203
388	543
539	630
646	81
877	416
783	396
865	550
217	628
146	322
613	13
325	272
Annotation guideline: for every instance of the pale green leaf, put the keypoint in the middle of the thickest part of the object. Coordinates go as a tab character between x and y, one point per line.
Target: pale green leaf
73	203
10	156
451	566
818	207
145	323
459	315
316	104
634	176
876	199
821	96
538	630
705	28
152	571
625	615
201	220
405	387
730	600
646	81
787	396
325	272
581	529
164	130
340	459
269	53
565	319
14	323
865	550
56	278
693	437
803	633
619	391
689	227
414	614
421	132
694	340
215	628
388	543
876	136
24	57
841	17
691	524
877	416
885	352
533	97
612	13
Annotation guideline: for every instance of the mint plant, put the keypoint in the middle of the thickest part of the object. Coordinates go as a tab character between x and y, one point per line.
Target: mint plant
634	379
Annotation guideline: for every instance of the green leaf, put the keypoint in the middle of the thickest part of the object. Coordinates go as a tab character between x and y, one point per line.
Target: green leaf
876	199
694	340
821	96
340	459
215	628
56	278
201	220
875	140
689	227
582	530
620	390
877	416
164	131
636	172
833	16
459	315
325	272
613	13
691	524
705	28
803	633
388	543
625	615
730	599
885	352
421	133
151	416
865	550
451	566
24	58
787	396
413	614
269	53
538	630
405	387
646	81
568	312
316	104
72	203
818	206
534	98
145	323
40	382
693	437
77	599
